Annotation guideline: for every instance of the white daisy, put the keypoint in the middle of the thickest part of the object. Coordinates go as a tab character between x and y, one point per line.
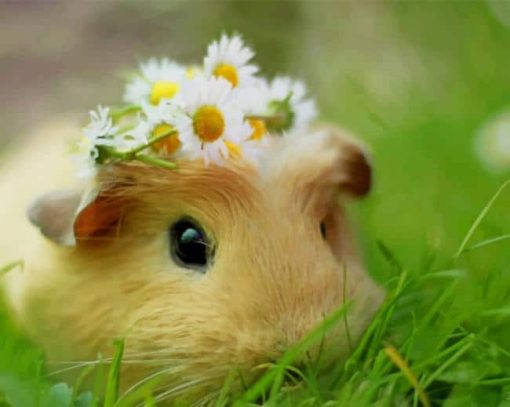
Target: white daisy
254	101
287	97
213	122
157	122
99	132
193	71
130	137
247	150
228	58
157	80
84	158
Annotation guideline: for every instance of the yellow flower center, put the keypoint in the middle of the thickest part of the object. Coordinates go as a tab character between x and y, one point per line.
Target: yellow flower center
233	149
171	143
208	123
259	129
163	89
227	71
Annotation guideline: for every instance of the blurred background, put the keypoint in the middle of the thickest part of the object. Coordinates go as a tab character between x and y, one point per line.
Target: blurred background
417	80
425	83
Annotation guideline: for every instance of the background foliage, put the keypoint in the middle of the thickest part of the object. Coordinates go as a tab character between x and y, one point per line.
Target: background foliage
416	80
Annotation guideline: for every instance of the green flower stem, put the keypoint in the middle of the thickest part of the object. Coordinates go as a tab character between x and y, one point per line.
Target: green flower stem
268	118
131	154
151	142
155	161
106	153
117	114
276	121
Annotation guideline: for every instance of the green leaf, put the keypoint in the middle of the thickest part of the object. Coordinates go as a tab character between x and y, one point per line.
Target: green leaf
84	400
60	395
16	392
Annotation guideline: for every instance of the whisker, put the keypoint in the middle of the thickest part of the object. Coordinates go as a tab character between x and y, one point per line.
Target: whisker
148	352
133	361
204	401
128	357
169	370
67	369
82	364
180	389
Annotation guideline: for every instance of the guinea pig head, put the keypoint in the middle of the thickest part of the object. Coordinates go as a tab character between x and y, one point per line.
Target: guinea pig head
205	270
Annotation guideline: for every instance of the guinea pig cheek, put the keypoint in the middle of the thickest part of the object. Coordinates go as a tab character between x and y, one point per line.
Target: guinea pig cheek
331	224
321	208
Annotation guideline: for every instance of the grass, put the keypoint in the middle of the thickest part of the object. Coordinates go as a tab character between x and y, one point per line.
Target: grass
435	231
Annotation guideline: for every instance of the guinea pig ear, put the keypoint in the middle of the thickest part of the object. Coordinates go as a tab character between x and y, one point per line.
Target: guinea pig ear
324	159
69	216
98	215
54	213
356	179
346	163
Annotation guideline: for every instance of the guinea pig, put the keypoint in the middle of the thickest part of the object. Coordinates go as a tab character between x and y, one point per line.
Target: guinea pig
201	270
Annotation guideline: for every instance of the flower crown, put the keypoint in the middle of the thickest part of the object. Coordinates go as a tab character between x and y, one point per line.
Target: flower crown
216	111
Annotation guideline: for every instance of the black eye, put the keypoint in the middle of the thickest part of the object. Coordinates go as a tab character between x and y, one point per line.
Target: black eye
323	230
189	245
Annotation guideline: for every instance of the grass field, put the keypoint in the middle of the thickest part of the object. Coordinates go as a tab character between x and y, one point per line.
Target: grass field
435	229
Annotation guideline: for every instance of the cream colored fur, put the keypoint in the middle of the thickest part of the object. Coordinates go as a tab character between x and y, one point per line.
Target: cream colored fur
273	278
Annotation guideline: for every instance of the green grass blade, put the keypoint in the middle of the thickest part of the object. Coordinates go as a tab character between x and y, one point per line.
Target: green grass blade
346	322
487	242
448	362
295	351
11	266
480	217
389	256
112	386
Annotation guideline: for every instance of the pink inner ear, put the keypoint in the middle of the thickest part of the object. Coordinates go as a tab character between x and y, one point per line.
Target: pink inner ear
98	218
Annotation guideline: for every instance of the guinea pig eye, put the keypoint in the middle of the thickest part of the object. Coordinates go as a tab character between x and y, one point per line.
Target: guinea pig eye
323	230
189	245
